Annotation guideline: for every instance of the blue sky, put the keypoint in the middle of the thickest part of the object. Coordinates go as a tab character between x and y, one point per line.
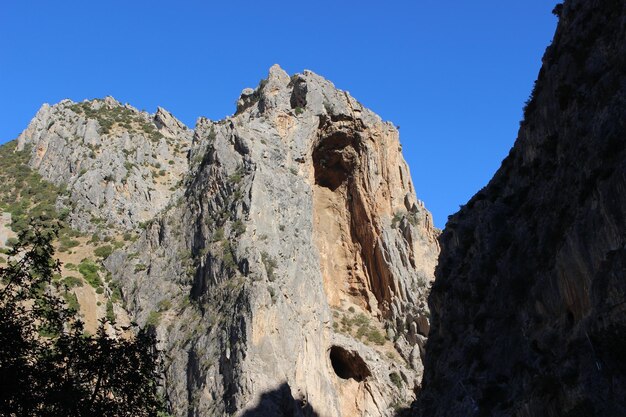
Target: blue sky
453	75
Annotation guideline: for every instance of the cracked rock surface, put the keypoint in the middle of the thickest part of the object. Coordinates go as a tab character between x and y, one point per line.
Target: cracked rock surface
284	259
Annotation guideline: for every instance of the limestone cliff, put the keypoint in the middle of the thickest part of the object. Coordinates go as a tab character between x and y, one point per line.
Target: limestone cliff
119	165
528	307
283	259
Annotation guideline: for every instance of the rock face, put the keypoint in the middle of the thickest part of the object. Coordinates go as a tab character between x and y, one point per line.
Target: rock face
285	263
120	166
528	311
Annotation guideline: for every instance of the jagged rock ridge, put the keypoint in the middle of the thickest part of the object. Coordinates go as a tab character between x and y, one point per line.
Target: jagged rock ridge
120	165
285	259
528	308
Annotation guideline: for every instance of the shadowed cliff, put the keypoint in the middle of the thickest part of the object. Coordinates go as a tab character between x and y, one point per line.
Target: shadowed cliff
281	403
529	303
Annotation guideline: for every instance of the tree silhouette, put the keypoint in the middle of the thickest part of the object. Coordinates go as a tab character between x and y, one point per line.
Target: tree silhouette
48	365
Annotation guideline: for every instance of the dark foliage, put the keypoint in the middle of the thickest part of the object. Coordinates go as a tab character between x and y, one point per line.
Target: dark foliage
48	365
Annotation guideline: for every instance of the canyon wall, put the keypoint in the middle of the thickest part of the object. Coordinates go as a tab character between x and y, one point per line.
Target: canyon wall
280	254
529	302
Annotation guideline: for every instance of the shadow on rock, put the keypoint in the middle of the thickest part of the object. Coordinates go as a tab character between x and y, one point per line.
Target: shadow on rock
405	412
281	403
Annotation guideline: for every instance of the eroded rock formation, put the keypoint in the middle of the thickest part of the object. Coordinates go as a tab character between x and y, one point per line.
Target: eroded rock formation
528	306
286	261
120	166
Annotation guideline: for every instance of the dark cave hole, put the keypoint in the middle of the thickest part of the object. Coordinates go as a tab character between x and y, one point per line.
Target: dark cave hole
348	364
334	160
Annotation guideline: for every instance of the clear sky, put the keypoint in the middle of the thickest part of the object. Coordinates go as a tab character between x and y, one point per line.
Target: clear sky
453	75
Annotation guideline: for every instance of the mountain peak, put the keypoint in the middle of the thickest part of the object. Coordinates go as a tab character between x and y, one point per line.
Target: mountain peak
302	198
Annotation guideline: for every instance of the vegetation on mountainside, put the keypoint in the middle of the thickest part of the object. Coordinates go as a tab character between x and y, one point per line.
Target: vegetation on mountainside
48	365
25	194
28	197
398	216
358	325
111	116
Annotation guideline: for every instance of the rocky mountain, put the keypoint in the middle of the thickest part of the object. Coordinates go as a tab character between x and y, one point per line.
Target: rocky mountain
280	254
529	302
120	166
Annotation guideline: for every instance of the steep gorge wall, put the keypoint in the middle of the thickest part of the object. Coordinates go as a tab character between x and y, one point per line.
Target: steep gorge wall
283	262
529	303
257	308
360	182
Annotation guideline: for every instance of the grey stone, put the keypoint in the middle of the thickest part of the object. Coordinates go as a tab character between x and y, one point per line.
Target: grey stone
271	222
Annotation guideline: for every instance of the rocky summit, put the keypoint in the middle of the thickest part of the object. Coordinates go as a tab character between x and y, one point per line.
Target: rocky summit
280	254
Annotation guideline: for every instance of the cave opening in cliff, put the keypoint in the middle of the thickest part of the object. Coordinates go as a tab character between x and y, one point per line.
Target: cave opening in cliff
348	364
334	159
341	214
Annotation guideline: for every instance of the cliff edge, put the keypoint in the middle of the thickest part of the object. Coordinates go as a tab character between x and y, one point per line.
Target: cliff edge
529	302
